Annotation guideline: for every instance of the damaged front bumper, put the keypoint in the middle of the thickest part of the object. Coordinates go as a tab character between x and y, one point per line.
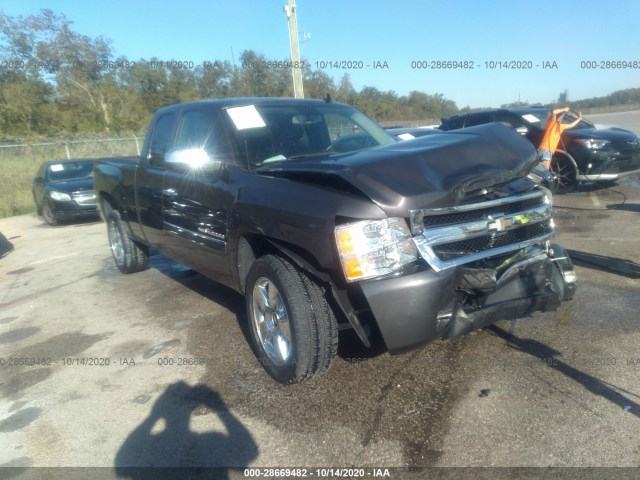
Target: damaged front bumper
419	307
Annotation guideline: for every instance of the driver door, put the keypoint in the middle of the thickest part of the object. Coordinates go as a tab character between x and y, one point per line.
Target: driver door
197	200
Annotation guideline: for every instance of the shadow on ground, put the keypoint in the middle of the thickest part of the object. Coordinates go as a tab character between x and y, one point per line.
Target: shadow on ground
629	207
618	266
550	357
164	439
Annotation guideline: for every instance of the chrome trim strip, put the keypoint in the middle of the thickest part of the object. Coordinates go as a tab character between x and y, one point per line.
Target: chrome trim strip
479	228
438	265
605	176
540	192
416	216
85	197
427	238
191	235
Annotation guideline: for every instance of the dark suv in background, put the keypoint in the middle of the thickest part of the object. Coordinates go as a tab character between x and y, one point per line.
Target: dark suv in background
585	153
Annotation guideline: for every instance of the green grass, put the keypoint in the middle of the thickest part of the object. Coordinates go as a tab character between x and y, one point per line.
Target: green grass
18	166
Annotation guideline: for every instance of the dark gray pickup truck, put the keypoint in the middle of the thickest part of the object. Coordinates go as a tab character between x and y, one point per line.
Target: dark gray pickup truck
324	222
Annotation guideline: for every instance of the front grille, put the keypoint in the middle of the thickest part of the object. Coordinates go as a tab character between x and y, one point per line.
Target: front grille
462	248
624	164
629	146
435	219
85	197
447	237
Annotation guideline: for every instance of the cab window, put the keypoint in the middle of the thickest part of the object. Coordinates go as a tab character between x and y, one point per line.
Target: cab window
162	138
478	119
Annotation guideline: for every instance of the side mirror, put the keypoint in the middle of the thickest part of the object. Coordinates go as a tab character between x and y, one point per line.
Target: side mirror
195	159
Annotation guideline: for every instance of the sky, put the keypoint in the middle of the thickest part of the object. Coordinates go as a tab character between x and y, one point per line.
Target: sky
555	44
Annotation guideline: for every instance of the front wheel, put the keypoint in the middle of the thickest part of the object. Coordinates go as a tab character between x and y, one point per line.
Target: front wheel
565	174
293	328
128	255
48	215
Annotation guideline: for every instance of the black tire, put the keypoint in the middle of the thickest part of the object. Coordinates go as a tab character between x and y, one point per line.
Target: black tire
565	174
306	320
48	215
38	207
128	255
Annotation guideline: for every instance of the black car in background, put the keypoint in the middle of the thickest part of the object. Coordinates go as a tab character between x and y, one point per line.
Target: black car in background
63	190
585	153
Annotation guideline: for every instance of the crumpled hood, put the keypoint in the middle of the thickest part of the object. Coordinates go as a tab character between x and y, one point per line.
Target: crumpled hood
434	171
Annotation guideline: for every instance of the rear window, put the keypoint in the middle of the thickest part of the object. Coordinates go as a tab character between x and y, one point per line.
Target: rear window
162	137
478	119
452	123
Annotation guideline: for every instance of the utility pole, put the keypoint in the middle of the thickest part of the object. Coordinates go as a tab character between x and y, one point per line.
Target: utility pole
296	67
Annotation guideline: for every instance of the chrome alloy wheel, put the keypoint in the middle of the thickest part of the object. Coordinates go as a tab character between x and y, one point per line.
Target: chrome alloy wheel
271	321
116	243
565	174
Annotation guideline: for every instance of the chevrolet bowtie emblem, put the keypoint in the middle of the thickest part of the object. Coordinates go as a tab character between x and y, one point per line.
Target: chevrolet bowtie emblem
499	223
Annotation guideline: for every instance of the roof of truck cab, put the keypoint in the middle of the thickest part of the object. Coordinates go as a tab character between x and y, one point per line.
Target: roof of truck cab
245	101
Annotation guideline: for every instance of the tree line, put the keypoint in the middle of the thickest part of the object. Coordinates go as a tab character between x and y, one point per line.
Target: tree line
55	81
629	96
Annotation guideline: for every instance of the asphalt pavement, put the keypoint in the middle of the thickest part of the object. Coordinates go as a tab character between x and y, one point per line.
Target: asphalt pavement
100	369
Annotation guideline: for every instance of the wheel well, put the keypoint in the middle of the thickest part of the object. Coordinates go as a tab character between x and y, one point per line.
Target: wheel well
106	205
562	153
252	247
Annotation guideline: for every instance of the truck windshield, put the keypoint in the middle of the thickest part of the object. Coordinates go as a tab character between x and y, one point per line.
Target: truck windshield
270	134
60	172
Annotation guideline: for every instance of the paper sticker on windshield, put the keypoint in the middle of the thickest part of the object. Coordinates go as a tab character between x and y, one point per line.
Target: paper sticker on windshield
406	136
57	168
246	117
530	118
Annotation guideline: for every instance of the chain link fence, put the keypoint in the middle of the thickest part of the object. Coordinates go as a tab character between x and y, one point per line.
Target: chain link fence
19	163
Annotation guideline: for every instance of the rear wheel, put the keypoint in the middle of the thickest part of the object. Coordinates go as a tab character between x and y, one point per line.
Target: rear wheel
128	255
565	174
293	328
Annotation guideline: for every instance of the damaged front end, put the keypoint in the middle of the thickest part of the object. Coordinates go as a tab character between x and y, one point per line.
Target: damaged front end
483	262
535	279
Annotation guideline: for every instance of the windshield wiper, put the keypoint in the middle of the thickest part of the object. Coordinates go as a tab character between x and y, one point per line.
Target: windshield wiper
309	155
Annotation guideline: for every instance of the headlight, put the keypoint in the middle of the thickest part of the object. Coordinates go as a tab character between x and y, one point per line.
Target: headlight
60	196
374	247
592	143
